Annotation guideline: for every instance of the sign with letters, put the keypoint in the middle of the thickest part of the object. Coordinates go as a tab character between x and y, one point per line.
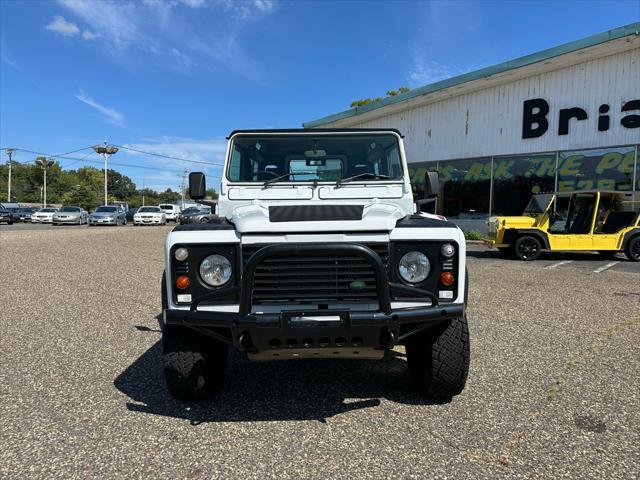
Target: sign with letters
536	121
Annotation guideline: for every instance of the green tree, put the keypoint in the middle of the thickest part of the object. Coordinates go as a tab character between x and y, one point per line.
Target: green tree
367	101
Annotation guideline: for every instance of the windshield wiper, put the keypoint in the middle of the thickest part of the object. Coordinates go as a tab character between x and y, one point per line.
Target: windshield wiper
364	174
285	175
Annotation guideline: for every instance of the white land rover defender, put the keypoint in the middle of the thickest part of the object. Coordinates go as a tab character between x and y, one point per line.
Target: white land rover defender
317	252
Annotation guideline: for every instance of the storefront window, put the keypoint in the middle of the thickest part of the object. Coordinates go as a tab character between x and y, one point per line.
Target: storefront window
516	179
465	186
604	169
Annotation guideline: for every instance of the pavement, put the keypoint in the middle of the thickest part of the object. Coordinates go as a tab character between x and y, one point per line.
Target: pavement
553	390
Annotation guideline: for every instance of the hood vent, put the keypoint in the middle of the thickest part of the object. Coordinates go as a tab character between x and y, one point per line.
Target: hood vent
315	213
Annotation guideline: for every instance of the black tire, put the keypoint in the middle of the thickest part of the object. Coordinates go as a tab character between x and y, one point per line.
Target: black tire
633	249
439	359
527	248
194	364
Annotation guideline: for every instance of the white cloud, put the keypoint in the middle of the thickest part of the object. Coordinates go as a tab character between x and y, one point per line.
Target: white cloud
179	34
62	26
211	151
110	115
88	35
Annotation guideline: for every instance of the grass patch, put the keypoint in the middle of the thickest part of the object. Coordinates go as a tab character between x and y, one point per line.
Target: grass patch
473	235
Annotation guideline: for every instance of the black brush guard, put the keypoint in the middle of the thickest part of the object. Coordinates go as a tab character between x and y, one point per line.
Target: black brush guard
306	328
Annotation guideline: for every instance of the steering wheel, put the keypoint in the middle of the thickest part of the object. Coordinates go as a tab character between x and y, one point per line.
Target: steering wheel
274	174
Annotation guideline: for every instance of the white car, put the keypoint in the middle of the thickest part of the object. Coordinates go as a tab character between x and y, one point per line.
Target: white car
149	216
171	211
44	215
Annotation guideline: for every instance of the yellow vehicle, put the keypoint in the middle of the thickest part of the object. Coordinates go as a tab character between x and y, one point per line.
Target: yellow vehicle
605	221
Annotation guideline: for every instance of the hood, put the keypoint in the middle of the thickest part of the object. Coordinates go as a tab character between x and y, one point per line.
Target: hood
104	214
67	214
315	217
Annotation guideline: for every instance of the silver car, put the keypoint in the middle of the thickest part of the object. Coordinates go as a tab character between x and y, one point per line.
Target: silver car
108	215
44	215
70	215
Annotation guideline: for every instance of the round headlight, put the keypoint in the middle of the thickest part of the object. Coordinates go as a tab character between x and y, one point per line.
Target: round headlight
181	254
215	270
447	250
414	267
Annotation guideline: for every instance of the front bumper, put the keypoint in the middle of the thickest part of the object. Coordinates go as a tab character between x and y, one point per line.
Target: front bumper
253	331
147	221
66	220
103	221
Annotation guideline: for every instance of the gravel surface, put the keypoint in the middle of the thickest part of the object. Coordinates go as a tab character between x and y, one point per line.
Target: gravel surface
553	388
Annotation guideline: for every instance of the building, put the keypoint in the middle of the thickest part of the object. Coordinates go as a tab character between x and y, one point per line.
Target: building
561	119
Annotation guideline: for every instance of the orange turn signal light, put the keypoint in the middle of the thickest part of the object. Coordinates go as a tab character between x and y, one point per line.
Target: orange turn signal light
446	278
183	282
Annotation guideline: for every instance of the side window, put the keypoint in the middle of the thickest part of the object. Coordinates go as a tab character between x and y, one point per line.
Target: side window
234	166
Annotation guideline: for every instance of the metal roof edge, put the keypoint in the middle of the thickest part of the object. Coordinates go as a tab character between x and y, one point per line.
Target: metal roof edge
593	40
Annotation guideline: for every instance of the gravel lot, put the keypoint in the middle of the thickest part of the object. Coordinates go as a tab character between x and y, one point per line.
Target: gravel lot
554	387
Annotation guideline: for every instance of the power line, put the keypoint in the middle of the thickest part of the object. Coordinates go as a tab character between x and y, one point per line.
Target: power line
85	160
169	156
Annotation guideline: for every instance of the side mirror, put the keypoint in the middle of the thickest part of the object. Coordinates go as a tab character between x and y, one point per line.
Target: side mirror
431	184
197	186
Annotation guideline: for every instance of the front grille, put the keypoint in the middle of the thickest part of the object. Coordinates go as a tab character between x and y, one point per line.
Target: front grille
315	279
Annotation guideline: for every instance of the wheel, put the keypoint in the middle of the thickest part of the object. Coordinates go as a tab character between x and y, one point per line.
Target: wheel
193	363
607	254
527	248
439	359
633	249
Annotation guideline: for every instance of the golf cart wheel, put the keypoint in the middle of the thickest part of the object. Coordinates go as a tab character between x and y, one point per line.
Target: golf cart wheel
527	248
193	363
438	359
633	249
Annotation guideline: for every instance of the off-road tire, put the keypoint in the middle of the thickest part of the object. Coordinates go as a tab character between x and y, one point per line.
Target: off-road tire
194	364
439	359
633	249
527	248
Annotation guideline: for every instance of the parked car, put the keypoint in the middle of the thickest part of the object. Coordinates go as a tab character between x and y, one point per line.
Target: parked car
44	215
25	213
130	213
5	216
171	211
196	215
70	215
15	214
108	215
149	216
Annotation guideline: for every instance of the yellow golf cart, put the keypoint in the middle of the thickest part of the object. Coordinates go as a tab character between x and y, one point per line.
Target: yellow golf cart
605	221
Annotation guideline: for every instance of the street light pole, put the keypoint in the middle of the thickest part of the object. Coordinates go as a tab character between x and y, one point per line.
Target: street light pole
10	153
45	163
106	151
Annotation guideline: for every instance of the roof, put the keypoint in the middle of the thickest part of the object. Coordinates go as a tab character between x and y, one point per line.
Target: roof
315	130
542	56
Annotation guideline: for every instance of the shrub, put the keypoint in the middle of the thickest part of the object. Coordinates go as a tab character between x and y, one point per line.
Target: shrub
473	235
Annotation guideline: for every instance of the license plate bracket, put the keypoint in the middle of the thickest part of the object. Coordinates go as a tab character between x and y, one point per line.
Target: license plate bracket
315	319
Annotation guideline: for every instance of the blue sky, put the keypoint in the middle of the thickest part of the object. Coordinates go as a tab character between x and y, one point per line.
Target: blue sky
176	76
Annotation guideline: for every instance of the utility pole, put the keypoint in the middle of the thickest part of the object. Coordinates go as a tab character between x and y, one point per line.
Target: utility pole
10	153
45	163
143	191
184	175
106	151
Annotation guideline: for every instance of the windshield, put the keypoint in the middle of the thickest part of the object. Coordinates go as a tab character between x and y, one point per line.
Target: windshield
69	209
539	203
47	210
106	209
311	158
148	210
166	207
